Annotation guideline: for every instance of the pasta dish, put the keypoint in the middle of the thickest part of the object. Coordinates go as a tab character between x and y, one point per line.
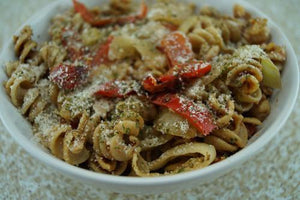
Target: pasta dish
145	89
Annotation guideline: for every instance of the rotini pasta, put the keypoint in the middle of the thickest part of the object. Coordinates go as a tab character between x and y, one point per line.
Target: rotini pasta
146	90
23	44
52	55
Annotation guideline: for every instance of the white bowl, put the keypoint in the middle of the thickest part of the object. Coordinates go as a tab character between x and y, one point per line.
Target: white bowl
282	103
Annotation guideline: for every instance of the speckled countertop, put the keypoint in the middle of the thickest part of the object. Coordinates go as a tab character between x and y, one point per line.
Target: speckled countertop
273	174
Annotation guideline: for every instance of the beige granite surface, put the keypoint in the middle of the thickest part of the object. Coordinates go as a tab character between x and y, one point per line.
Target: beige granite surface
273	174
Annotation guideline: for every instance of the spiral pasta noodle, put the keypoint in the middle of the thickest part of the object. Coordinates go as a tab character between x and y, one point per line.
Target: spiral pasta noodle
276	53
11	67
24	45
22	79
230	140
257	32
244	75
168	12
209	40
119	140
52	55
62	147
63	141
100	164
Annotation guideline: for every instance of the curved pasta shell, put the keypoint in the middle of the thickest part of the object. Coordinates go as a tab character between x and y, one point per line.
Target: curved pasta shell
97	164
101	140
220	144
108	165
17	89
10	67
140	167
66	144
94	165
90	127
127	127
257	31
207	151
234	30
249	98
56	140
36	108
144	168
230	140
74	151
262	109
188	24
225	109
121	167
29	98
52	55
120	150
243	70
252	120
243	107
190	164
75	159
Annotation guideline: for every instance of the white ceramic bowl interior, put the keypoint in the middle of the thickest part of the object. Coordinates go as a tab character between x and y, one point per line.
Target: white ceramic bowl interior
282	105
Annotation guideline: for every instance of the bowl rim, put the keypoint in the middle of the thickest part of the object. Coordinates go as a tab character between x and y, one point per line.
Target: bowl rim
231	162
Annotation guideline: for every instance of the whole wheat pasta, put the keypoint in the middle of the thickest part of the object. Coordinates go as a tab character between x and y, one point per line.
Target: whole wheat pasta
146	90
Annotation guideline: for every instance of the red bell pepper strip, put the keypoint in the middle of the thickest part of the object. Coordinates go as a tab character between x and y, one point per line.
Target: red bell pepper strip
89	17
199	116
183	66
116	89
132	19
170	26
153	85
110	90
177	48
101	56
68	76
143	11
194	69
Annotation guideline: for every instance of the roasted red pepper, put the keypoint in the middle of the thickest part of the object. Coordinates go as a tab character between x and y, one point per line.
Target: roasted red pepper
170	26
199	116
68	76
110	90
134	18
101	56
153	85
177	48
187	71
116	89
89	17
183	66
194	69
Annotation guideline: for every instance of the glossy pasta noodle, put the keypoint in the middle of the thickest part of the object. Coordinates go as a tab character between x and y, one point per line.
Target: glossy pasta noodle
134	89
